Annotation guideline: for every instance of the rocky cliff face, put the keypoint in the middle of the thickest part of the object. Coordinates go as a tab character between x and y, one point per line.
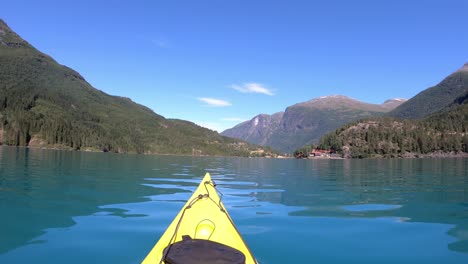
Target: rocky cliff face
257	130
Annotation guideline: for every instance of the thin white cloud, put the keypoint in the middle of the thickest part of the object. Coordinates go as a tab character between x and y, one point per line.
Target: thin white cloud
214	102
252	88
233	119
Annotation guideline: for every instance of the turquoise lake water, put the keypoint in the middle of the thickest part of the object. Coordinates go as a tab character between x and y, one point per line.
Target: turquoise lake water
76	207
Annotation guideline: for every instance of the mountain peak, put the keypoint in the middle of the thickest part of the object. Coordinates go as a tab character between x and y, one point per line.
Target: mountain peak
337	102
258	129
326	100
464	68
333	96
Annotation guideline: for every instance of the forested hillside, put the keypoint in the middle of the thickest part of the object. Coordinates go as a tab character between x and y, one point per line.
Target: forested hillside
435	98
43	103
442	132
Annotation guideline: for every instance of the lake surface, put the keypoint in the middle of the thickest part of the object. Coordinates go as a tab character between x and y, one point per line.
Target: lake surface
76	207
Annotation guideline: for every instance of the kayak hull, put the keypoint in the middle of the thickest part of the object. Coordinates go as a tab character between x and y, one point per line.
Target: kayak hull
202	217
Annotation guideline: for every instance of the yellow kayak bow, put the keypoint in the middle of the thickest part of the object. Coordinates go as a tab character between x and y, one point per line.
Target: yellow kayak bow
202	232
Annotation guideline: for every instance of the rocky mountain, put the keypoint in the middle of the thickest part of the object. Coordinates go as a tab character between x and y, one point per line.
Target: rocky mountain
43	103
304	123
259	129
435	98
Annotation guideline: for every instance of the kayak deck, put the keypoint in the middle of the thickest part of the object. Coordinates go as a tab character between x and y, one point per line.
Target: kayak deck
203	217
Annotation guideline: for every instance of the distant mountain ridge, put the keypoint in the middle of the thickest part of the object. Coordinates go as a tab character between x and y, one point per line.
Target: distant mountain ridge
45	104
342	101
435	98
391	104
259	129
305	122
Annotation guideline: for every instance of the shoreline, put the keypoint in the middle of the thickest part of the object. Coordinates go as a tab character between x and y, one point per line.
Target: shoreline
409	155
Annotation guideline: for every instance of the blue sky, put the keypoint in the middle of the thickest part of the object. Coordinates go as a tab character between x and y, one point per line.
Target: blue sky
218	62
